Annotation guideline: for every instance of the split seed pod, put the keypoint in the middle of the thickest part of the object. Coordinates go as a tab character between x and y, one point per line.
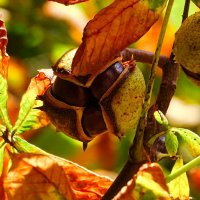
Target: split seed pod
83	108
187	47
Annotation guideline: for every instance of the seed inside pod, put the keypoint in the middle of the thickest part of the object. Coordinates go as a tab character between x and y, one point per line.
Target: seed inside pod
70	93
92	120
104	80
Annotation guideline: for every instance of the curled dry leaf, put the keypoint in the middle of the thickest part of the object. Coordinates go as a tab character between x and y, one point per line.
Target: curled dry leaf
3	56
69	2
149	182
113	29
47	177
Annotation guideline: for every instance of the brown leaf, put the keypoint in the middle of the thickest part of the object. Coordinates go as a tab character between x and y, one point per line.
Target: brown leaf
47	177
136	188
4	58
69	2
113	29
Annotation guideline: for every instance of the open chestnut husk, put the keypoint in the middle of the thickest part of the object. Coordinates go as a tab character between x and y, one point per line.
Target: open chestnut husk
110	102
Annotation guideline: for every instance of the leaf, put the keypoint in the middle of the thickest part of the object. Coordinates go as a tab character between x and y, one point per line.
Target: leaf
69	2
197	3
189	144
47	177
171	143
4	56
2	148
113	29
25	147
161	119
29	117
149	183
179	187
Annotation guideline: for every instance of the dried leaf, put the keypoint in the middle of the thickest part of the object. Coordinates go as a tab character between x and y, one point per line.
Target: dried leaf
197	3
148	183
3	57
30	117
112	29
47	177
69	2
179	187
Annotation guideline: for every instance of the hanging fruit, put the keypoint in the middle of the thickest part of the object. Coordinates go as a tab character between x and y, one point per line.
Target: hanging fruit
187	47
83	108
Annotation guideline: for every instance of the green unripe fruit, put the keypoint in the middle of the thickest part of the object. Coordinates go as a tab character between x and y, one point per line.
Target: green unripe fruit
187	46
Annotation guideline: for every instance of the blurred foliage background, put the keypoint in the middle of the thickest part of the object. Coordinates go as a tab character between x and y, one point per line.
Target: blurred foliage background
40	31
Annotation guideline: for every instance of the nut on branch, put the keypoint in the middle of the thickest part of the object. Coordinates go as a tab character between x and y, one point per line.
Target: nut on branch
83	108
187	47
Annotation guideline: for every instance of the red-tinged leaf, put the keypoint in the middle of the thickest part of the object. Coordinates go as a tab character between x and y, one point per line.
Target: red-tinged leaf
3	56
47	177
30	117
69	2
148	183
113	29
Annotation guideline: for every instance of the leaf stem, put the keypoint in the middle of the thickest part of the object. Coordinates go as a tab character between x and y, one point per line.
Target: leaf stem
195	162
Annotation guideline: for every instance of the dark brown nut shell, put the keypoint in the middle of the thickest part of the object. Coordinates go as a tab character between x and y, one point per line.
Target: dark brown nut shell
70	93
64	117
104	80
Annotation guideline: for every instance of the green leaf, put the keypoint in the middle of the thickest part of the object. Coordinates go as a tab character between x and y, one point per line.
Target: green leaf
3	102
179	187
161	119
156	4
149	188
171	143
197	3
2	148
23	146
189	143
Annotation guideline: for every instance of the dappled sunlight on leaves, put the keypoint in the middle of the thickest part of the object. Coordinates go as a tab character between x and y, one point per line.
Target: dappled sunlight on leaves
148	183
112	29
40	176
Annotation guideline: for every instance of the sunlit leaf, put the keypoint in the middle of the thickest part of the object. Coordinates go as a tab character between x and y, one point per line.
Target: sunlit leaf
148	183
179	187
189	143
196	2
2	147
160	118
25	147
3	102
3	55
171	143
47	177
113	29
69	2
30	117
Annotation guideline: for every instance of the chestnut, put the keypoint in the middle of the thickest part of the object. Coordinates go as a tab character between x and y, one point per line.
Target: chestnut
109	102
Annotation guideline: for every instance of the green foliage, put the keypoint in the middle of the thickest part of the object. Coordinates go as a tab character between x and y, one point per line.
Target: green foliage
179	187
161	119
3	102
171	143
2	148
23	146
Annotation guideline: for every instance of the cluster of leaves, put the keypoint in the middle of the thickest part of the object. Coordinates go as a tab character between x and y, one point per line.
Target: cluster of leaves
37	174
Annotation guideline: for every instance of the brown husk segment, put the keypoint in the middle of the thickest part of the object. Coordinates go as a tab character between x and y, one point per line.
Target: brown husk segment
66	118
106	100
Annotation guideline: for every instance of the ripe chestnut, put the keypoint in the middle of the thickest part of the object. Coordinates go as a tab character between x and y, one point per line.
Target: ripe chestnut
110	102
187	47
